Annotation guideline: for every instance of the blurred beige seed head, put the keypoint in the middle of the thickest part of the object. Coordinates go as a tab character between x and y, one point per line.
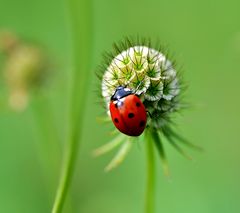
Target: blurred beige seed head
24	69
18	100
8	41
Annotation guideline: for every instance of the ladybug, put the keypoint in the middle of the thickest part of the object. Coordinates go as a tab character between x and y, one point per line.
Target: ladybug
127	112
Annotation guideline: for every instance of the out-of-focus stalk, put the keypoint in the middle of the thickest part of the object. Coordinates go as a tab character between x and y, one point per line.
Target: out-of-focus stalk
80	21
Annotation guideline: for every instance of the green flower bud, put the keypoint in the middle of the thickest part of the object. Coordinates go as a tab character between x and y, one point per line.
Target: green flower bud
147	72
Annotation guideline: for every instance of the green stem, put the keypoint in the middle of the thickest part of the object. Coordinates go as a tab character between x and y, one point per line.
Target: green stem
150	184
80	20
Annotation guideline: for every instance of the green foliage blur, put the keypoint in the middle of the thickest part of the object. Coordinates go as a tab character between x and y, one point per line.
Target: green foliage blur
203	35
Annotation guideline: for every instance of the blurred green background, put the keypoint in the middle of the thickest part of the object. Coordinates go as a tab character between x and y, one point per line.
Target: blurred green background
205	38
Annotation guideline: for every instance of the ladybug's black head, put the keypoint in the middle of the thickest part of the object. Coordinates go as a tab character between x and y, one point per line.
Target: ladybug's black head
121	92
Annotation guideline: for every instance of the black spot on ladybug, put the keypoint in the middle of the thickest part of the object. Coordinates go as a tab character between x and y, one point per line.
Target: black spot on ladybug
116	106
142	123
138	104
116	120
130	115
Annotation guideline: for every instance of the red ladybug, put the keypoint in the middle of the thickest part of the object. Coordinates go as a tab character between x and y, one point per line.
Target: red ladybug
128	112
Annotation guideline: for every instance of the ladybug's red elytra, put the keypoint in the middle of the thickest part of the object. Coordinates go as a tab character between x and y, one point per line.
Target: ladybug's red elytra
128	112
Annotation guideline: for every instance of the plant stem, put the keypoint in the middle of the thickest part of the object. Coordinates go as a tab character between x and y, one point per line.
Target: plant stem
150	184
80	21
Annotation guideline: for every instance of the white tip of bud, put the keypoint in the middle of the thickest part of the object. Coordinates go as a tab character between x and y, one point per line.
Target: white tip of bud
144	70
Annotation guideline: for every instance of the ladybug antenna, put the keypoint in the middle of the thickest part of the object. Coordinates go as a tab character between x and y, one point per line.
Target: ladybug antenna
139	84
137	88
126	85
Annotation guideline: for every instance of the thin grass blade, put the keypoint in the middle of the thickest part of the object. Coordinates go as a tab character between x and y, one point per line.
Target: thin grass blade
120	156
160	148
109	146
181	139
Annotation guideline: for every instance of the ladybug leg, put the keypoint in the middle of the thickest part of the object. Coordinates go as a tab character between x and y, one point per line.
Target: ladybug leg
149	114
